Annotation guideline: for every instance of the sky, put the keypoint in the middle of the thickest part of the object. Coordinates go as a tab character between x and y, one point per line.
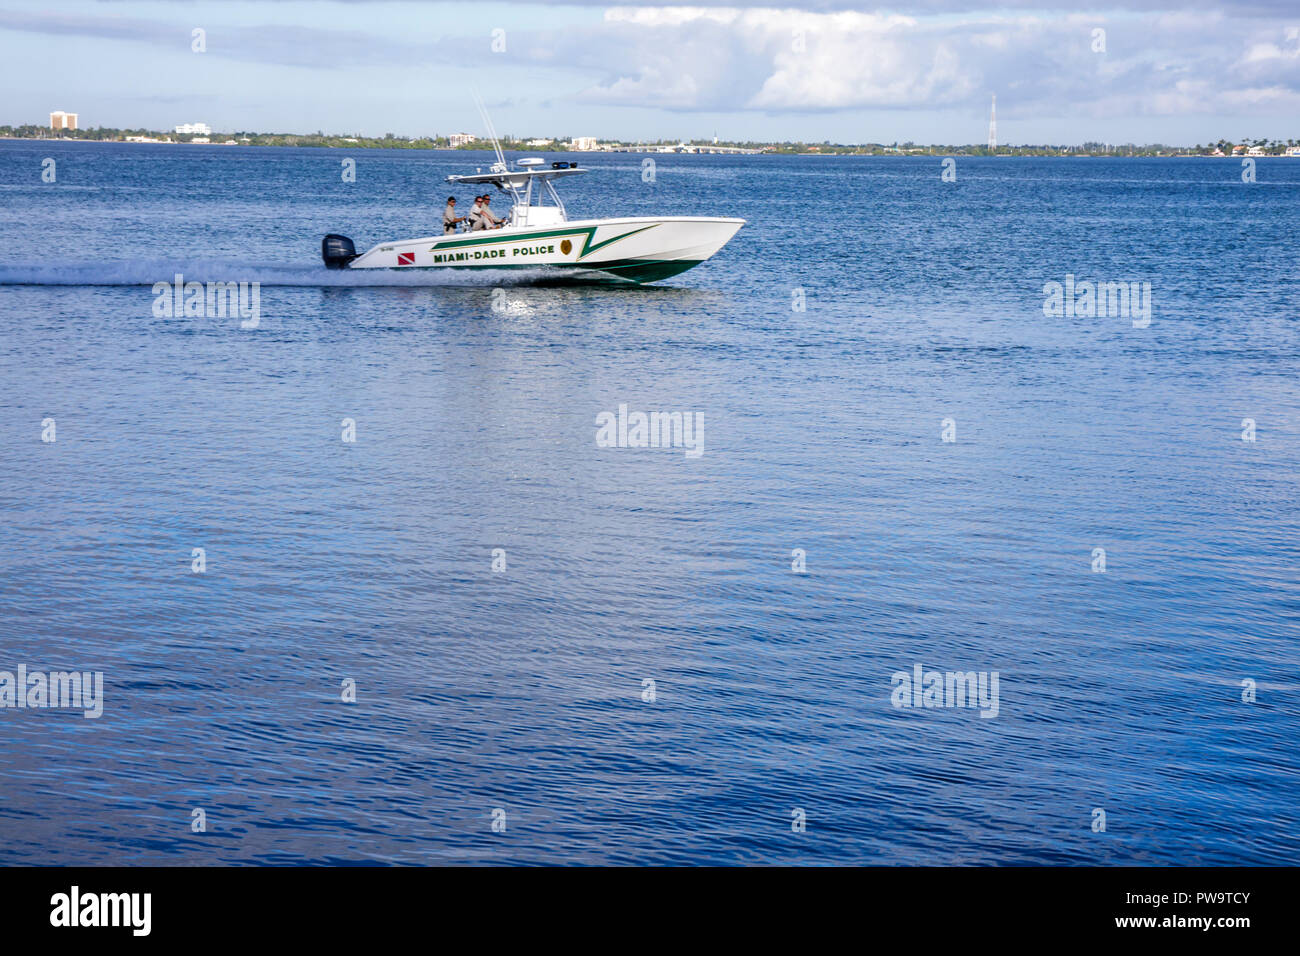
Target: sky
1171	71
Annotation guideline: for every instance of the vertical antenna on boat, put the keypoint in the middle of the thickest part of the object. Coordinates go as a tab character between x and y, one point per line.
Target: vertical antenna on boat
492	133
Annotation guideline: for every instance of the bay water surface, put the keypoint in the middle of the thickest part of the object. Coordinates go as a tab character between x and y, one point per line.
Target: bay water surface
865	302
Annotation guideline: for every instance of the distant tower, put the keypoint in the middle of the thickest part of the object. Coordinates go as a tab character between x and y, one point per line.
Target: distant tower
993	124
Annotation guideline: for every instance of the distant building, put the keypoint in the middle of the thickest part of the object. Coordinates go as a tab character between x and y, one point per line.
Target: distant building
62	120
583	143
1256	151
194	129
540	142
460	139
1293	151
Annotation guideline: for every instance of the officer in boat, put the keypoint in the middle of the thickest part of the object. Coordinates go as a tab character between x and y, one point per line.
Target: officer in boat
475	211
485	219
449	217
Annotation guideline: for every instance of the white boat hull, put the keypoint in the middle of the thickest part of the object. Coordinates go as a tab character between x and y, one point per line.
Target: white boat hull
640	249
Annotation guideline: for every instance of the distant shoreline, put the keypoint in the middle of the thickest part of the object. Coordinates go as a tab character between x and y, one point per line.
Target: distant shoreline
1220	149
935	152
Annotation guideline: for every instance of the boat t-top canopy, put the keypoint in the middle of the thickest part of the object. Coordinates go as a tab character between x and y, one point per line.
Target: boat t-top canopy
519	178
519	183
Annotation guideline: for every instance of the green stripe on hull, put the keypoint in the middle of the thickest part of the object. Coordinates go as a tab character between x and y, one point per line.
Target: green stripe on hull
633	270
647	270
585	233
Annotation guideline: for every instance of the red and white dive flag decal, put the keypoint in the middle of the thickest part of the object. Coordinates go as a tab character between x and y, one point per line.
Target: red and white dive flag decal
406	258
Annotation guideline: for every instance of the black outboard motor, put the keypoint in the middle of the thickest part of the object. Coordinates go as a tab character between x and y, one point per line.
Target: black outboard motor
337	251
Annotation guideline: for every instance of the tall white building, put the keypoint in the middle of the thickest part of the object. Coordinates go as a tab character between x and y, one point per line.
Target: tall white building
583	142
460	139
62	120
196	129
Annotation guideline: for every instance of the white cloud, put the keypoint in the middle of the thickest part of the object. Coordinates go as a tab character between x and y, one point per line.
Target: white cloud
766	60
762	59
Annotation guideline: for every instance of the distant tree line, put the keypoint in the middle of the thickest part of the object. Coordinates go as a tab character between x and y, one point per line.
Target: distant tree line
393	141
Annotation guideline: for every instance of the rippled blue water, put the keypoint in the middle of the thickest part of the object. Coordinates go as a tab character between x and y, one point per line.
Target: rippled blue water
523	689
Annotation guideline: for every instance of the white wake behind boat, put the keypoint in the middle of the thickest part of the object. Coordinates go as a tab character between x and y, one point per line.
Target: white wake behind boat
539	234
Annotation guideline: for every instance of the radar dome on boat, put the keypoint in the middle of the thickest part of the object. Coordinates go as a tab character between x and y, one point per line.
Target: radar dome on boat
530	161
